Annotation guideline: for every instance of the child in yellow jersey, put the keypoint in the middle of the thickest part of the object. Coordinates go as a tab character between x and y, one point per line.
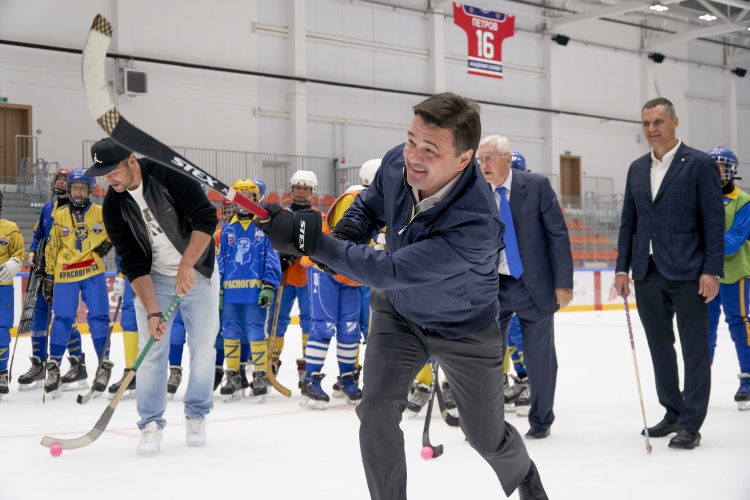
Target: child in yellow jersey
74	266
11	256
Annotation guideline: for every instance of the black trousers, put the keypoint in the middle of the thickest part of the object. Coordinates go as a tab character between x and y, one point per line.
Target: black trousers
538	333
396	350
659	299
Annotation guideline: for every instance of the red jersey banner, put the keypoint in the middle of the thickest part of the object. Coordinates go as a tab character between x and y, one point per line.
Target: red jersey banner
486	31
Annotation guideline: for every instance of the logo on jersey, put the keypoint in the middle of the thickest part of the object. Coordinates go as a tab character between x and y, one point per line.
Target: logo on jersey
65	232
4	242
97	228
82	233
243	251
259	235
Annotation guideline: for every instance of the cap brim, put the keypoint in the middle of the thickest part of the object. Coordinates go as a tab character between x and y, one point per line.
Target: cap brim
99	170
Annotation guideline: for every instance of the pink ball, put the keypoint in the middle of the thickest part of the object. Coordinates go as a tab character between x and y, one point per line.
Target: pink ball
427	453
55	450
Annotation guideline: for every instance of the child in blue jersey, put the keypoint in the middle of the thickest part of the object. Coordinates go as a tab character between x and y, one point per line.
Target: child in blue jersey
249	272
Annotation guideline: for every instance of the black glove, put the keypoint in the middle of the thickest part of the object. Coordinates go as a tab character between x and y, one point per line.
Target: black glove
48	286
347	230
296	234
287	261
104	248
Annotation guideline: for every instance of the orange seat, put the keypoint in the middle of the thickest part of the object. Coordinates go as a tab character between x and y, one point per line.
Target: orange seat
613	255
577	254
572	224
601	239
602	255
272	198
590	255
590	239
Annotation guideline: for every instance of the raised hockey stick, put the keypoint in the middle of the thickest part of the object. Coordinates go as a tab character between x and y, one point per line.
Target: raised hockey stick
428	451
447	417
637	375
83	399
127	135
272	340
27	314
101	424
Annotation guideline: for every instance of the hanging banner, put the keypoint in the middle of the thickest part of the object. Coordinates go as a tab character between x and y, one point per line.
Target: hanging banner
486	31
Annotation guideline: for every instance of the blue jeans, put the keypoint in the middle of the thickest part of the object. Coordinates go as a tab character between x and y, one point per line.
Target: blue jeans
200	312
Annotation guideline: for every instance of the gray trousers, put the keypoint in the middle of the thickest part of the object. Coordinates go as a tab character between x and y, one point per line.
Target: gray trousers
396	350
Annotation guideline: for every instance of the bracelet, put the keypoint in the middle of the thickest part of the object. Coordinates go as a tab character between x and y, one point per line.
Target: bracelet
154	315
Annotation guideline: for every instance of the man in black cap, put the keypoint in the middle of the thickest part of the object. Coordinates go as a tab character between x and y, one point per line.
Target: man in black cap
161	224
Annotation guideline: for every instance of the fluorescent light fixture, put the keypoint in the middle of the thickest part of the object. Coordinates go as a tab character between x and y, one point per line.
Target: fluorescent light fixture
657	7
707	17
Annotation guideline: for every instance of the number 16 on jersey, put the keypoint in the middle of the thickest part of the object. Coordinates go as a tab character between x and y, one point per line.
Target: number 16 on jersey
486	31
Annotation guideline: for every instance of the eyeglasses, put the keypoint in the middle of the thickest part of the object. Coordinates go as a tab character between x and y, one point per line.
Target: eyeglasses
489	158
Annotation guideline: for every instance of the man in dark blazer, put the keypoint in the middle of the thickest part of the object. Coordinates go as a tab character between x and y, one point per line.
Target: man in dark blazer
672	238
542	282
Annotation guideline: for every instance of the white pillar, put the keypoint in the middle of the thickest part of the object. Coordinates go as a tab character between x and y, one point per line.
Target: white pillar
437	50
298	91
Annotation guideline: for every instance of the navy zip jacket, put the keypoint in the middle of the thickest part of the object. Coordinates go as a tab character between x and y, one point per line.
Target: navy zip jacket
440	269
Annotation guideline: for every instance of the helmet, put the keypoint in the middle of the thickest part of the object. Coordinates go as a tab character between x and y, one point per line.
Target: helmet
518	162
728	159
367	171
63	172
227	209
305	178
78	176
250	190
261	186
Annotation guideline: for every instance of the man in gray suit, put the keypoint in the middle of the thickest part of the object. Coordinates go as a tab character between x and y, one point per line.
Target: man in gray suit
535	271
672	237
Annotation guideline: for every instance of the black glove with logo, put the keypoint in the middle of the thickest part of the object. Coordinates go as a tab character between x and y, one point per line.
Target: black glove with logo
104	248
48	286
290	233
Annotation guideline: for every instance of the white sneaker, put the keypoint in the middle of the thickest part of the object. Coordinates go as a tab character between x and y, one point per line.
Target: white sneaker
150	439
195	431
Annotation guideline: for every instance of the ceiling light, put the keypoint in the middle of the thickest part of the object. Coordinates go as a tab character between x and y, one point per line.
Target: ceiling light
561	39
656	57
707	17
657	7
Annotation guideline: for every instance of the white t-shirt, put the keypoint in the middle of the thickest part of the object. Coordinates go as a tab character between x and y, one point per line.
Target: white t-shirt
165	257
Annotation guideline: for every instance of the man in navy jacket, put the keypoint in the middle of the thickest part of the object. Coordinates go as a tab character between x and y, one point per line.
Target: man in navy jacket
435	292
672	237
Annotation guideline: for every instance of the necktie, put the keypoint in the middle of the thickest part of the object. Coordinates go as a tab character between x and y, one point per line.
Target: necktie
512	254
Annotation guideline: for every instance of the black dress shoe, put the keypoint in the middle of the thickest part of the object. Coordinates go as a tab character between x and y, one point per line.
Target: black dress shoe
531	487
537	433
685	440
663	428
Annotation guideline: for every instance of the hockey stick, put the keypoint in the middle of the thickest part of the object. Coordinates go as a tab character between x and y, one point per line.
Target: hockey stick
27	314
127	135
428	451
46	348
637	376
272	340
83	399
447	417
101	424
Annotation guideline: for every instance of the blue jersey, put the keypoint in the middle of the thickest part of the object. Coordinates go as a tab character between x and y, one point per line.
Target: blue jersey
246	259
44	224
